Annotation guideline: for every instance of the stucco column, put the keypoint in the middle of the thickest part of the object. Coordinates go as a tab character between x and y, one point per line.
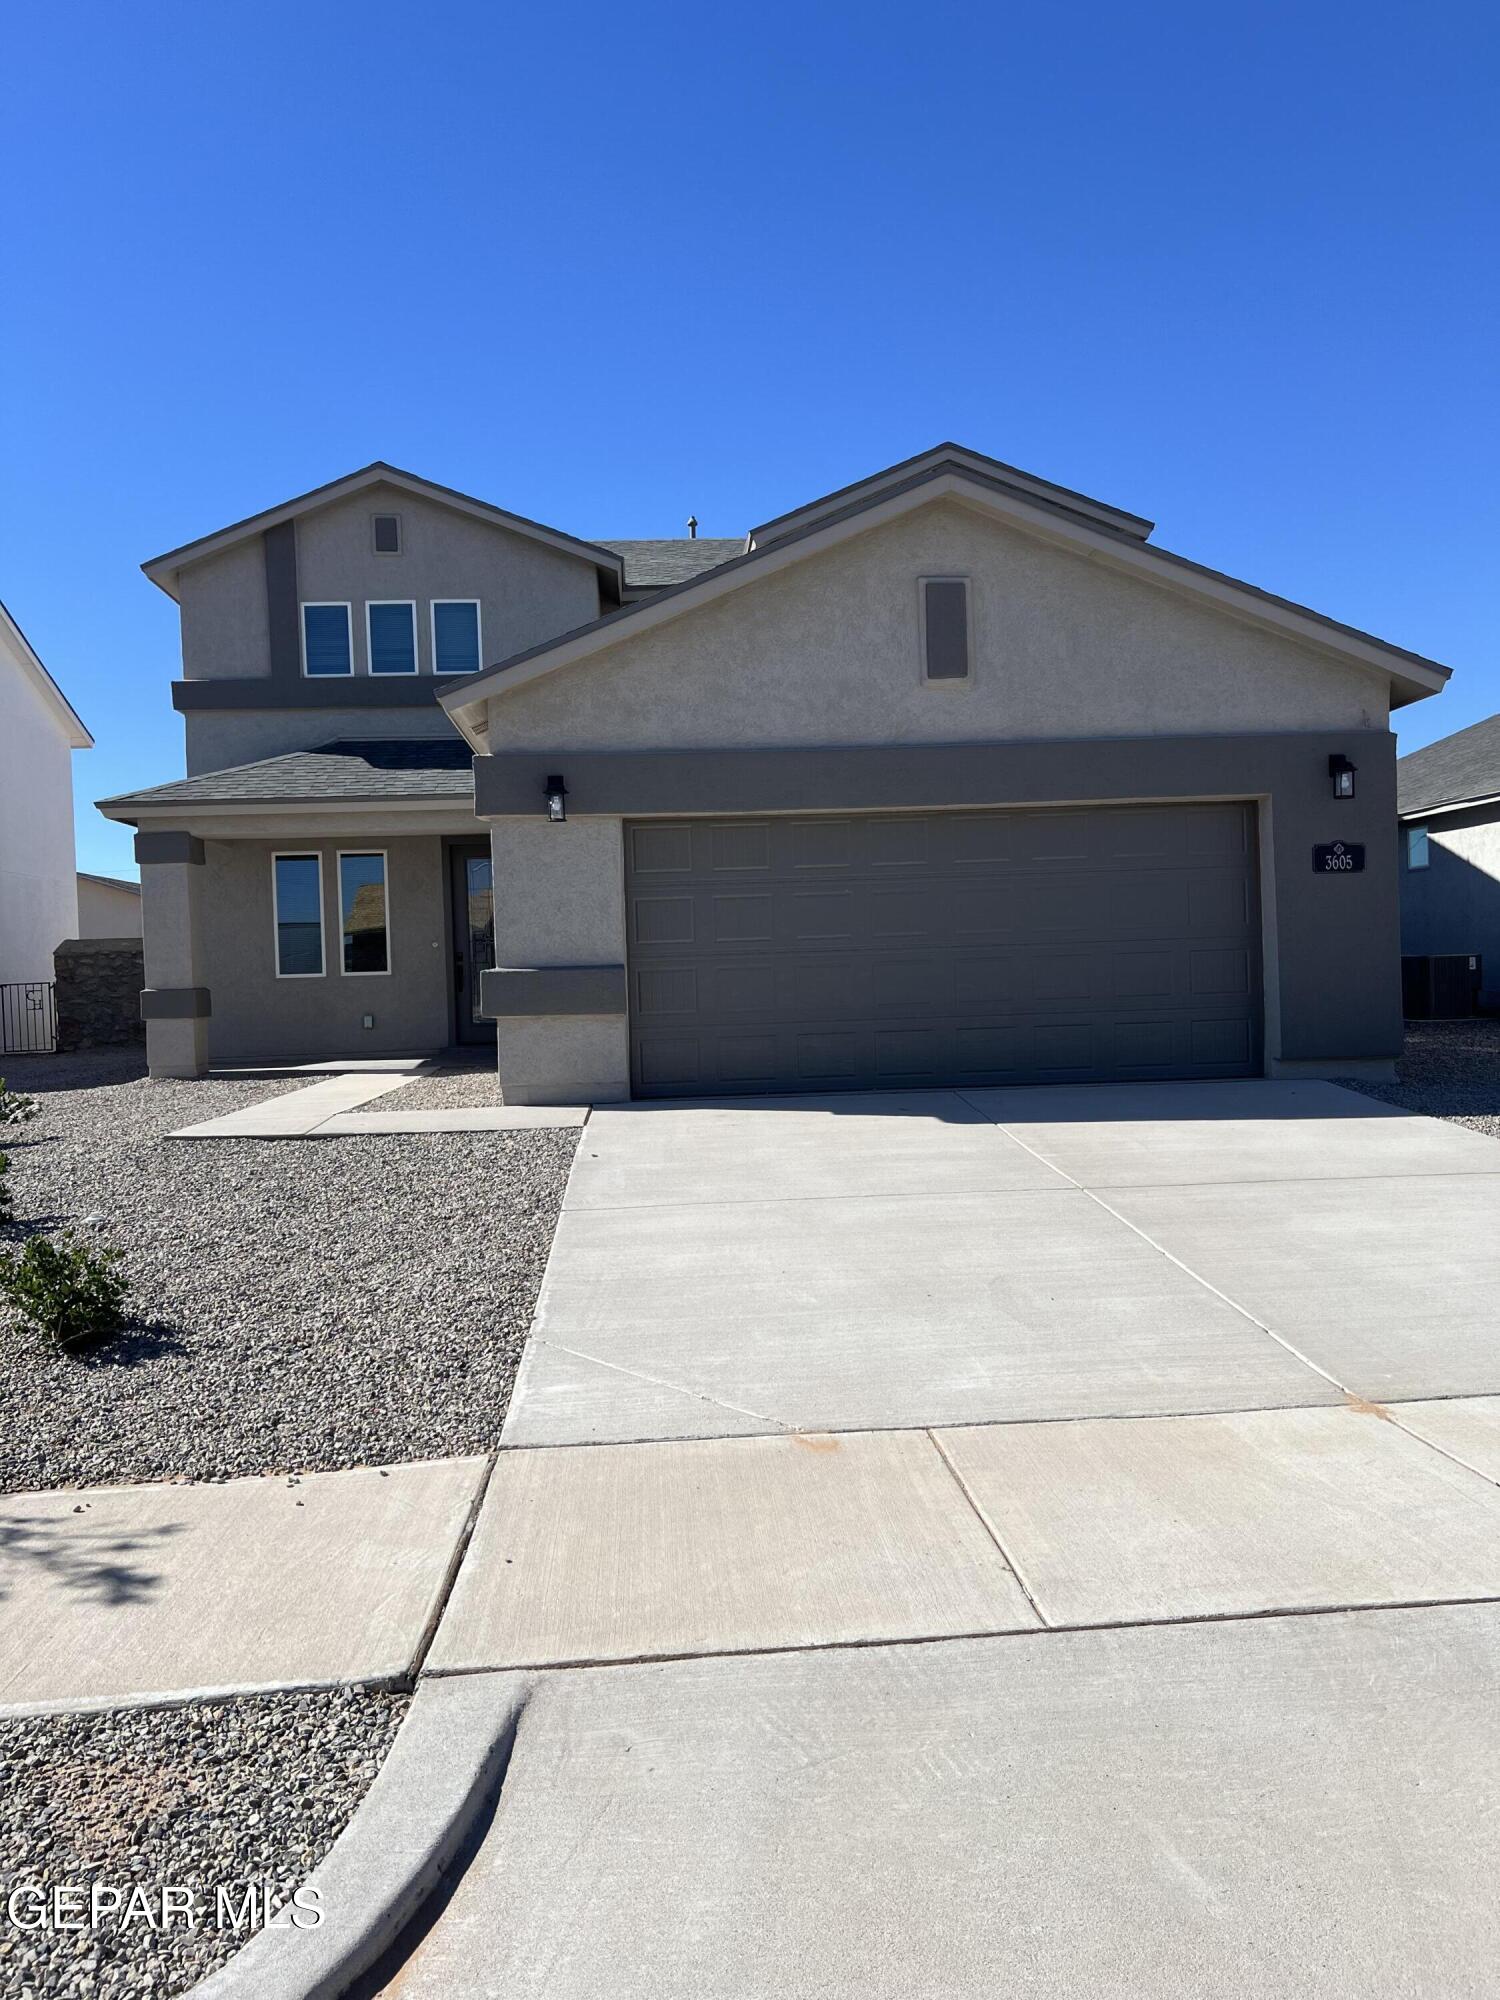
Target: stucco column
174	1003
558	993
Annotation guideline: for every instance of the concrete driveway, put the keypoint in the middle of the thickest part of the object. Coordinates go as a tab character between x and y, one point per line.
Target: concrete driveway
869	1262
1042	1542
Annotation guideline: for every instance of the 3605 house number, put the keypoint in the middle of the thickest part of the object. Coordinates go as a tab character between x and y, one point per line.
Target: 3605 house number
1339	857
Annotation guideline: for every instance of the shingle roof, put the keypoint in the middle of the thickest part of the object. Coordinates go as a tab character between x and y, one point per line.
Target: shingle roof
378	769
1465	765
673	561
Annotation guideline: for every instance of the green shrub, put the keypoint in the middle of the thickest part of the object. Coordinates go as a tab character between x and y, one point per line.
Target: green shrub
15	1106
64	1290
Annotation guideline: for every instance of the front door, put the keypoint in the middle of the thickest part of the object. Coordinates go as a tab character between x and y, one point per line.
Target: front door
473	936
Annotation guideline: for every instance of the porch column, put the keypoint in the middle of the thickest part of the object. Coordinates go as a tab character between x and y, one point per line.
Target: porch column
174	1003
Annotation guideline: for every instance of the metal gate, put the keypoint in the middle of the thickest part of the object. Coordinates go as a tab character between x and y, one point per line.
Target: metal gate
28	1018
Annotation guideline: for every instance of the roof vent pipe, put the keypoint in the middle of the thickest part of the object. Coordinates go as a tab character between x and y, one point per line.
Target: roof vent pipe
692	527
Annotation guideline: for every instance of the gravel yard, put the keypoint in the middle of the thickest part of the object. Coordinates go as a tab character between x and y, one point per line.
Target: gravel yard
471	1087
299	1304
1450	1069
213	1795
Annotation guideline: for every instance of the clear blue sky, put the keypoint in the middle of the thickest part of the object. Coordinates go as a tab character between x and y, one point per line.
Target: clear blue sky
1234	267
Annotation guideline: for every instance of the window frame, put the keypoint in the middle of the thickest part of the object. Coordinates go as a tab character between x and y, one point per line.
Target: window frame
1411	834
345	605
455	673
298	854
400	548
390	673
385	884
946	680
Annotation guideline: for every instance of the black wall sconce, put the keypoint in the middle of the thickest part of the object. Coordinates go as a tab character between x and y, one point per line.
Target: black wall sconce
557	798
1341	771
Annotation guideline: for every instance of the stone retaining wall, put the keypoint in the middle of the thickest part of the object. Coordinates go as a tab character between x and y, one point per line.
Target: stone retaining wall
98	994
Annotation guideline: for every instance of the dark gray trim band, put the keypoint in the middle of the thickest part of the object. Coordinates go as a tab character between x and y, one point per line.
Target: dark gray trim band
641	784
282	612
512	990
336	691
151	848
175	1003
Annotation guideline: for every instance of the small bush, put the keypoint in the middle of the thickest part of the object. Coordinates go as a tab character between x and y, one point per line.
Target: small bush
64	1290
15	1106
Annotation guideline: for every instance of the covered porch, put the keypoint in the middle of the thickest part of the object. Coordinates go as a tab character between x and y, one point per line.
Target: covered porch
332	903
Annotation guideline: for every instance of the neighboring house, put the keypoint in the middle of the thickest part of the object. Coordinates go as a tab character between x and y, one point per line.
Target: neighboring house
38	734
1448	797
108	907
951	776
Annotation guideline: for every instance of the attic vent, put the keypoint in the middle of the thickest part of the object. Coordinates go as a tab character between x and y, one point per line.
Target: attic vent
945	628
387	534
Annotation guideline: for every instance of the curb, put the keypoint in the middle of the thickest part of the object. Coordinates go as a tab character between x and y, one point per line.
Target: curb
442	1771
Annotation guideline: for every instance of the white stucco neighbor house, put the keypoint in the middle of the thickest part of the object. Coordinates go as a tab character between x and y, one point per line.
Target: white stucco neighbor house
952	775
109	906
39	732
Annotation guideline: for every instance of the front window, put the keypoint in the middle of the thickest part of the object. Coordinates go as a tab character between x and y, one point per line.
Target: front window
1416	847
362	913
391	630
455	636
297	889
325	640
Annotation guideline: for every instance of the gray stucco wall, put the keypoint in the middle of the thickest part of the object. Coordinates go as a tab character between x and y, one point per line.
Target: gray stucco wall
1329	942
225	635
527	592
1453	904
257	1016
828	651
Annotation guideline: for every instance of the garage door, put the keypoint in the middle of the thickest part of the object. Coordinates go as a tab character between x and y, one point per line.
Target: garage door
897	950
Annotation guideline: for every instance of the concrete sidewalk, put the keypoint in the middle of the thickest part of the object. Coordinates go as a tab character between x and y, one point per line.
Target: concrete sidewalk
129	1594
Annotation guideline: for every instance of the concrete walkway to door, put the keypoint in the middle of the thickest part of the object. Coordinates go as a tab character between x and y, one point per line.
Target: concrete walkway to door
951	1258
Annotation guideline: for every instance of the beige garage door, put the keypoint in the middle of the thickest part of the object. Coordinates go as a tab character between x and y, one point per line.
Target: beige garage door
893	950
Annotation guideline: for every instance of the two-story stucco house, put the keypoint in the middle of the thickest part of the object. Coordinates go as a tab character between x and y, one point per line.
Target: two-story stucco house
950	775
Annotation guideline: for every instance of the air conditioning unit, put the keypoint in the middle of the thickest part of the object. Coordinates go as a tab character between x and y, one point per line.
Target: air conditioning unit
1442	986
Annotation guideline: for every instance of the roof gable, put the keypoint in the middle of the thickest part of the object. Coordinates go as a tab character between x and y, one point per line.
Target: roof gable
163	569
15	642
1408	676
953	458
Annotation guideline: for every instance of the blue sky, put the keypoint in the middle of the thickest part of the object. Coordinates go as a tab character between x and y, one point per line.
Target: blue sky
1231	267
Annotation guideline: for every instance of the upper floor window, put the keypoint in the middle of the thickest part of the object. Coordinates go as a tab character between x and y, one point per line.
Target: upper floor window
386	529
945	628
391	637
326	647
455	635
1416	847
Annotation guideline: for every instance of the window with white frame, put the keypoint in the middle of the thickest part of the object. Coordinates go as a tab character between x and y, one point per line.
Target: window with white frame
326	645
391	636
297	905
455	635
1416	847
945	628
363	922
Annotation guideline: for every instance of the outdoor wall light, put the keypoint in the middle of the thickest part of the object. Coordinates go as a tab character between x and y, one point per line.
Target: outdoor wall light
557	798
1342	773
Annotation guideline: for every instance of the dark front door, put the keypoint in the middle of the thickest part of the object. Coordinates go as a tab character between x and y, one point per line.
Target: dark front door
473	936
